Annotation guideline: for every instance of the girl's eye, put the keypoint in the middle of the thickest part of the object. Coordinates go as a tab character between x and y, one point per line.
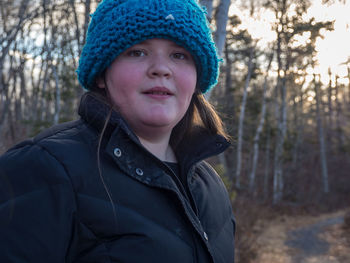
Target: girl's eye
179	56
136	53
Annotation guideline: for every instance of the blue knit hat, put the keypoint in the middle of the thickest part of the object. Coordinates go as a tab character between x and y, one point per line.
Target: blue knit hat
117	25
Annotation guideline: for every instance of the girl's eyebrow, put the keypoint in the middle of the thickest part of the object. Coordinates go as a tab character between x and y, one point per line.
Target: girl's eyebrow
145	42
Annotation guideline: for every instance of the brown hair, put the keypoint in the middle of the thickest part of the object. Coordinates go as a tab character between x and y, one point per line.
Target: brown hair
200	113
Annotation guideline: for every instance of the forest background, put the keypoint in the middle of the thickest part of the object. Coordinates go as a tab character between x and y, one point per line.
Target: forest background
286	107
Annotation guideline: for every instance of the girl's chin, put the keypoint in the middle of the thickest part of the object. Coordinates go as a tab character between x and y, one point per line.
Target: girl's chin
159	122
160	118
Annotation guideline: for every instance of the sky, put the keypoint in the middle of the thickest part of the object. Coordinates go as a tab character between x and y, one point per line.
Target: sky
333	50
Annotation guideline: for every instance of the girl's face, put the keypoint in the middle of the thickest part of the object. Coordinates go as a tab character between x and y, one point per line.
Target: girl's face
152	84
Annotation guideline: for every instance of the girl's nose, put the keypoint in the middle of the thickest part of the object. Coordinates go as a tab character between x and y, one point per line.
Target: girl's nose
159	67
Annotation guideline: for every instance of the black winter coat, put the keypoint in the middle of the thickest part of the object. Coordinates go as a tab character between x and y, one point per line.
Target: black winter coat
54	206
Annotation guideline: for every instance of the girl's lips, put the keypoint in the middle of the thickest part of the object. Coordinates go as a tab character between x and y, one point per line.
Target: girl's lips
158	92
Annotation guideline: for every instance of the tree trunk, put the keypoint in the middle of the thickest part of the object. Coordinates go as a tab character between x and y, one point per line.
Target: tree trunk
87	12
241	119
323	157
280	110
228	101
259	129
4	106
338	109
221	17
57	97
281	134
76	22
86	17
208	4
5	89
348	88
329	131
43	100
267	165
228	78
23	89
299	126
15	99
36	100
277	171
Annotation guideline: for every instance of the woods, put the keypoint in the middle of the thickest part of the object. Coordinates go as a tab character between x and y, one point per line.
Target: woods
40	46
289	124
277	107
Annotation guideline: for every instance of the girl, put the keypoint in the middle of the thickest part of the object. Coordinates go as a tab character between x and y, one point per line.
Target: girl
128	181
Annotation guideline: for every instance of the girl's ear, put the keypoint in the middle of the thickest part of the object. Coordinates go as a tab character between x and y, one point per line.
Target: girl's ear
100	81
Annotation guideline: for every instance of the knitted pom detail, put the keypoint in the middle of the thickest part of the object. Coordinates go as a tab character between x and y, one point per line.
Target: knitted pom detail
170	16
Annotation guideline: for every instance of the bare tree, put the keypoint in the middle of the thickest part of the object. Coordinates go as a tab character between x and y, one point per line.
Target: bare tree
267	165
298	105
278	183
321	138
330	106
208	4
221	17
339	129
348	68
241	119
260	128
57	97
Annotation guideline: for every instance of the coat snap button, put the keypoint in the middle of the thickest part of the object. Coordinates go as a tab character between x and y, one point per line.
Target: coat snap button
219	144
205	236
117	152
139	171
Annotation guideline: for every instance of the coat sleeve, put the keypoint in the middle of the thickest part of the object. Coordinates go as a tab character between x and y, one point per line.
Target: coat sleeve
37	206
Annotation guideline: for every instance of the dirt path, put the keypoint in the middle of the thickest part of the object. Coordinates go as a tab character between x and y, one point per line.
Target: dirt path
305	239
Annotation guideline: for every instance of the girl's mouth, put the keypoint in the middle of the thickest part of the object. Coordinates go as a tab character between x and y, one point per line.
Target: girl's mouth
159	92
